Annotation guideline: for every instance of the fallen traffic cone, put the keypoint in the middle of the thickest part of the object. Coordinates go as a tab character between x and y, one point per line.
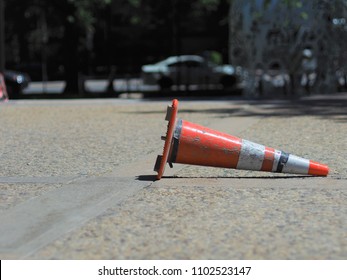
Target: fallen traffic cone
189	143
3	91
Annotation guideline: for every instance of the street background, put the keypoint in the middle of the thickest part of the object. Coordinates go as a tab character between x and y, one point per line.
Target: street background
275	46
84	87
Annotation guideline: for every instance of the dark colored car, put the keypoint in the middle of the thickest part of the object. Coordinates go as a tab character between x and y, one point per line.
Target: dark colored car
15	83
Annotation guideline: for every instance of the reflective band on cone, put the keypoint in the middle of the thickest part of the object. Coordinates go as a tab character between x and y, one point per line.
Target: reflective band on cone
189	143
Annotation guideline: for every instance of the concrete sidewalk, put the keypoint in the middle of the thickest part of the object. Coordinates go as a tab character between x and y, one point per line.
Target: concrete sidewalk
76	183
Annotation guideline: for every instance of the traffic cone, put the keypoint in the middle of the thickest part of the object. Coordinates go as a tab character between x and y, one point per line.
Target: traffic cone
3	91
189	143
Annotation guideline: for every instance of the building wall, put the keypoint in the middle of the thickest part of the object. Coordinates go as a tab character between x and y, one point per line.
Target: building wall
263	32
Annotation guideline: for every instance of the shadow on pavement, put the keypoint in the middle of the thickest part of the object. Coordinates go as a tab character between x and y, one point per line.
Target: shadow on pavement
152	178
149	178
332	106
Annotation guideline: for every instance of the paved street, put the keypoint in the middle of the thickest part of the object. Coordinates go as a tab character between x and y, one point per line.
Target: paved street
76	182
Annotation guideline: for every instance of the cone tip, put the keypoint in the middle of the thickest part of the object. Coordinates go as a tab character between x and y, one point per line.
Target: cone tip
318	169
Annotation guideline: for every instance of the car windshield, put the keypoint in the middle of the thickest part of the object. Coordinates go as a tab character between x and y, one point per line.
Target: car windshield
169	60
175	59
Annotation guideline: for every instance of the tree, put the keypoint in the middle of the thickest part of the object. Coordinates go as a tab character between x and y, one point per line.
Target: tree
76	36
78	19
67	22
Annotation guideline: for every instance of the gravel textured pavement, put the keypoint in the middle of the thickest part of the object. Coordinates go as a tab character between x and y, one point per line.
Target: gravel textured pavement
194	212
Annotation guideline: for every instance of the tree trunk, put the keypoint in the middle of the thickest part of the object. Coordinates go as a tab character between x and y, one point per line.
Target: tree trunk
71	59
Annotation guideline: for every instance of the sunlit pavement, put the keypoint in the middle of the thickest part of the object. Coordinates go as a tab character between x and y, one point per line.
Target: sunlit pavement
76	182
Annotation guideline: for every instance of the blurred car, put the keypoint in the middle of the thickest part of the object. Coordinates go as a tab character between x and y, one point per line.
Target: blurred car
190	70
15	82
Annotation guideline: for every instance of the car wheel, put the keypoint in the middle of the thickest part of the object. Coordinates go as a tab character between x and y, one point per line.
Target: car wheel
14	92
228	81
165	83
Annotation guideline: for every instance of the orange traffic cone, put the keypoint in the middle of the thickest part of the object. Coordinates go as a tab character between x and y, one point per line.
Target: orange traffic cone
189	143
3	91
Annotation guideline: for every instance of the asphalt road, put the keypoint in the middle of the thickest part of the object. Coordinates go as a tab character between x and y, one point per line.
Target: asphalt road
76	182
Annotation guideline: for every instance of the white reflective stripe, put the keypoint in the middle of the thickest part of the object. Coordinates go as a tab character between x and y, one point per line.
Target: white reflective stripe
251	156
276	160
296	165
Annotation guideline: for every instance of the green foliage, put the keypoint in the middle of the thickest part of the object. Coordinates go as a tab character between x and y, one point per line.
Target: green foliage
135	3
216	57
293	7
210	5
85	11
266	4
293	4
